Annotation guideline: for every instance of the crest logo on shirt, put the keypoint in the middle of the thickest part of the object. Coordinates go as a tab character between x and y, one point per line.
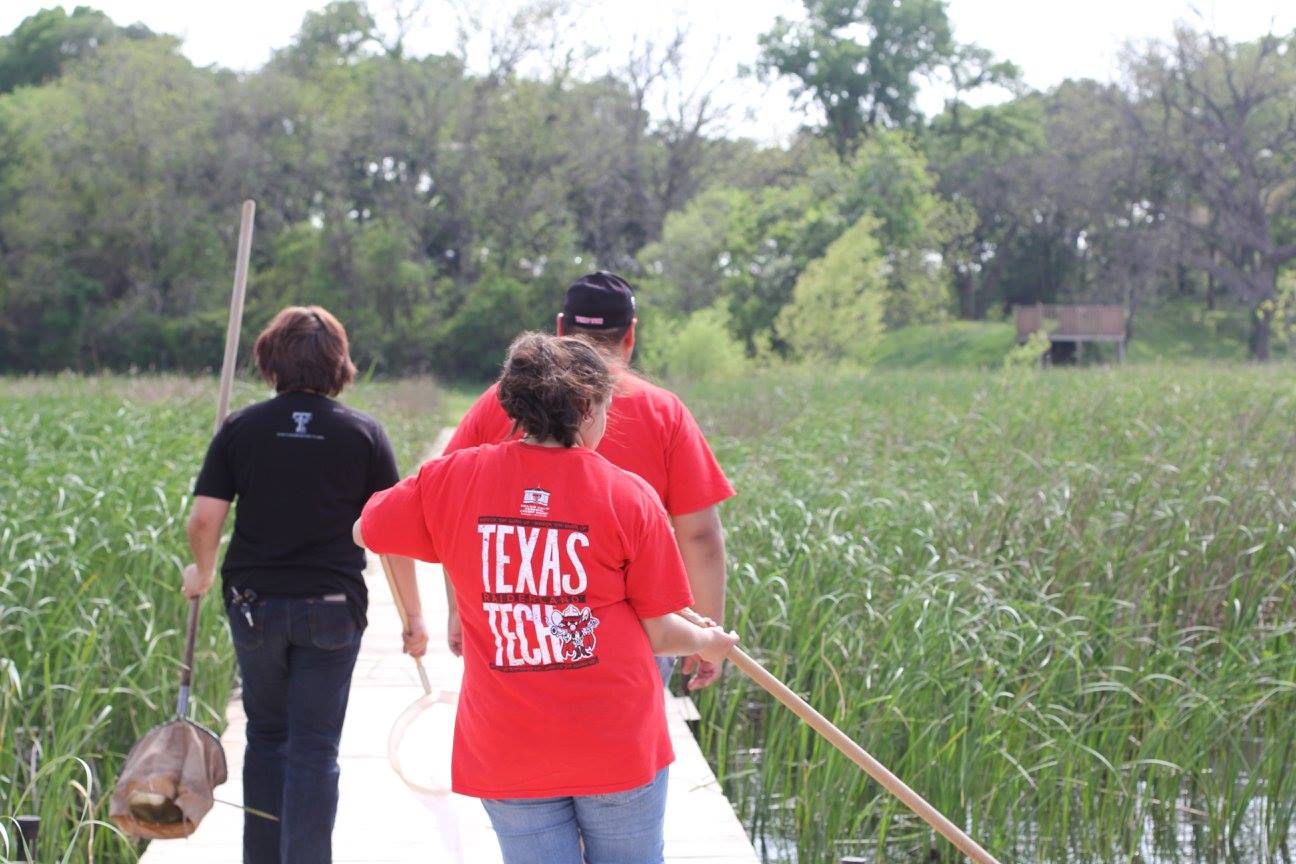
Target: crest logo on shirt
575	630
535	502
300	419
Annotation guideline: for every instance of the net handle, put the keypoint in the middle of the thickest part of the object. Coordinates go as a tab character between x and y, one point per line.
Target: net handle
853	751
241	259
404	618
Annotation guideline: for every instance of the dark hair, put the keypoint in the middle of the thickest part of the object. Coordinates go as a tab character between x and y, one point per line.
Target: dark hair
604	338
305	348
550	384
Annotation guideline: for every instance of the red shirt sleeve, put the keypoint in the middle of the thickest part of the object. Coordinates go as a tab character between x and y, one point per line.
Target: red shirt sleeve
393	522
694	479
656	581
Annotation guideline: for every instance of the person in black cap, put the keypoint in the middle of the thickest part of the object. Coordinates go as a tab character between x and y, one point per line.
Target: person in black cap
651	433
600	301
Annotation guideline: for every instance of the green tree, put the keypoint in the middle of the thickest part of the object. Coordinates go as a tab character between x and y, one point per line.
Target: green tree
983	158
472	342
771	242
889	179
693	258
338	34
860	83
1224	127
42	45
698	347
838	302
114	203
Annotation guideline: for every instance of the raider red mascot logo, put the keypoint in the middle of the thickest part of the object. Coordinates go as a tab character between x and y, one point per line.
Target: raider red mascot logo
575	630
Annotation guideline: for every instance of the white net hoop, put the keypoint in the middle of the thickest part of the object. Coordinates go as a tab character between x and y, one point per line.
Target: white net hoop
396	738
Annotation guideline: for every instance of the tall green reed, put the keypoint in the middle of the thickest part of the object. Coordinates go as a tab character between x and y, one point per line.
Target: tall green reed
1060	606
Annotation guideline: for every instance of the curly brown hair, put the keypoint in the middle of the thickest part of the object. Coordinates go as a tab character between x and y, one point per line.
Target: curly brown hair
550	384
305	348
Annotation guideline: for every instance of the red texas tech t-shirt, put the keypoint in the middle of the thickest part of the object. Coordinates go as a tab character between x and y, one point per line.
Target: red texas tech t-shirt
555	555
650	433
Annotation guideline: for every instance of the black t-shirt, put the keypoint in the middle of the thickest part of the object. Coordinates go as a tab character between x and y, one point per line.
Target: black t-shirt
302	467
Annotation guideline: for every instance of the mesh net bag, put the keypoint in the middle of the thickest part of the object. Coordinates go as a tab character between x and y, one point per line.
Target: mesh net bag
165	788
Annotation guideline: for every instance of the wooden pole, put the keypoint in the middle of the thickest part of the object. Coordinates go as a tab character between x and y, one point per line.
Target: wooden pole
236	310
241	258
404	618
853	751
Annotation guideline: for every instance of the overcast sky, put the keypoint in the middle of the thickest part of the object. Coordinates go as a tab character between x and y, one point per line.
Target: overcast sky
1049	39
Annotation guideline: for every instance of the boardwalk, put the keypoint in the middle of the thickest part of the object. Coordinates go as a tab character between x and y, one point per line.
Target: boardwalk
380	820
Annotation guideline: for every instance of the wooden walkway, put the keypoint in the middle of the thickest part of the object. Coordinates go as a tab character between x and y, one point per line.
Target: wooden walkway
380	820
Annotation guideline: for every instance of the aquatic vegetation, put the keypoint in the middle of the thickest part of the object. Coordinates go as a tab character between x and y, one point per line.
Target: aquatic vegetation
1061	606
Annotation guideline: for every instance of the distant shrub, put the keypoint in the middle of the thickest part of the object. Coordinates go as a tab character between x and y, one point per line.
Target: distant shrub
1028	354
697	348
837	303
472	342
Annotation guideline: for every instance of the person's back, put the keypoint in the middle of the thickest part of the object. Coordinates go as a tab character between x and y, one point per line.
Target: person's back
292	527
535	541
650	433
568	578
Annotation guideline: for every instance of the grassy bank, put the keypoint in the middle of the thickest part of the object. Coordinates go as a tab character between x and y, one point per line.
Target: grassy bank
1059	605
94	482
1165	331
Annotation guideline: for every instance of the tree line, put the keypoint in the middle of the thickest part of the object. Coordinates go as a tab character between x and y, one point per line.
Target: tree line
439	208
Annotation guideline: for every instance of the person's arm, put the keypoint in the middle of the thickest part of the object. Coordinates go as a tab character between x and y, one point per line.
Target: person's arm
695	485
415	635
672	636
206	522
700	537
454	627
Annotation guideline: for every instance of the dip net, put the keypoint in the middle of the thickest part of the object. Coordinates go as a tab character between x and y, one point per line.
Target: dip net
418	746
418	749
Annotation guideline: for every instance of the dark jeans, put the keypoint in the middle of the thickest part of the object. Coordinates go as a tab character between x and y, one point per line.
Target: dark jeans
295	660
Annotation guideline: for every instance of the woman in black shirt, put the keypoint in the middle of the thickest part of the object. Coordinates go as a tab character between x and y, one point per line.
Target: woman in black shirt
301	467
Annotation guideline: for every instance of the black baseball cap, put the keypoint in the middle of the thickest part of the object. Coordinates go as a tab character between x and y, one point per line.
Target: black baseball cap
599	301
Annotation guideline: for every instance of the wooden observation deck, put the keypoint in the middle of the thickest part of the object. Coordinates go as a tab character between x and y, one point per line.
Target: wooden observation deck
1075	324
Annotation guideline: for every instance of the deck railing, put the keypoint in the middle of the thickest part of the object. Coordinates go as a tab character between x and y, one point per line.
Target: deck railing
1072	323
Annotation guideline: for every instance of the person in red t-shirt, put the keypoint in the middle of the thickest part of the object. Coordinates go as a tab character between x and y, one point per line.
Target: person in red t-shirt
650	433
567	579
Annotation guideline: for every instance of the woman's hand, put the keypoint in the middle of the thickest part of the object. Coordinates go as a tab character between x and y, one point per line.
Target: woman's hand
718	643
704	673
416	637
195	582
454	633
701	672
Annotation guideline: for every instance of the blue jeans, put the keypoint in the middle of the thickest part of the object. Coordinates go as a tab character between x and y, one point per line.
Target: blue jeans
666	666
295	659
618	828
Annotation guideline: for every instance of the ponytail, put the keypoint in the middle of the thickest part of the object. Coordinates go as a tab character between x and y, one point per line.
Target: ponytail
550	384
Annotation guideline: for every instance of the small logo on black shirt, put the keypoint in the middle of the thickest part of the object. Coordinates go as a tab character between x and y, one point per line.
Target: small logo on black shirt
535	502
300	419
